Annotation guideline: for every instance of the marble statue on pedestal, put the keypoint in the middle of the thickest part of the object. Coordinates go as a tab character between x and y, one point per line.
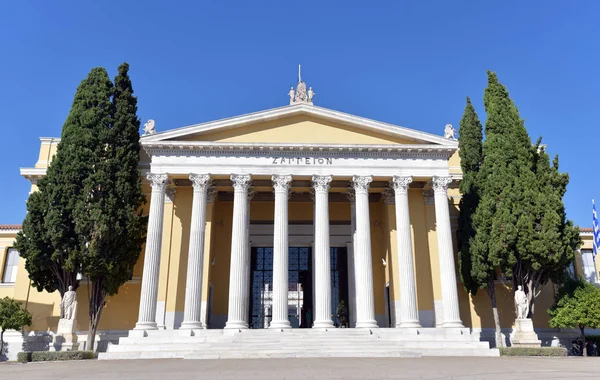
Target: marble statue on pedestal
521	303
65	338
68	304
524	334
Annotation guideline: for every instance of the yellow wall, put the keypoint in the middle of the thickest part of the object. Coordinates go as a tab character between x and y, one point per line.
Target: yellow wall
299	129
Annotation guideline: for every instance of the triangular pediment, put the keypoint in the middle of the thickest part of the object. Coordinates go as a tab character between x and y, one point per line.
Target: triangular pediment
300	124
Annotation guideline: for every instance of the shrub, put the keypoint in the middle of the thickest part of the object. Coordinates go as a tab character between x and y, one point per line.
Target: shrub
50	356
24	357
533	351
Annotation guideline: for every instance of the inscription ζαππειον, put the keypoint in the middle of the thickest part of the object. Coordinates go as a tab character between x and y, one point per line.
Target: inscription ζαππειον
302	161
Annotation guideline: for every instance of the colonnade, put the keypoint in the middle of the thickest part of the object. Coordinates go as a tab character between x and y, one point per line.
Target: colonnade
239	278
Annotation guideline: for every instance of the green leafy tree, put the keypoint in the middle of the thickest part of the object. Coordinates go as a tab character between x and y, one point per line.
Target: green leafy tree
50	242
13	316
577	305
109	219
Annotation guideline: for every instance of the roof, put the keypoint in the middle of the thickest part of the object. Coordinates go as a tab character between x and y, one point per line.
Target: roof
9	227
586	230
301	109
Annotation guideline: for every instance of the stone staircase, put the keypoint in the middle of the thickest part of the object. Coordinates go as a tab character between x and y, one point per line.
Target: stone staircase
299	343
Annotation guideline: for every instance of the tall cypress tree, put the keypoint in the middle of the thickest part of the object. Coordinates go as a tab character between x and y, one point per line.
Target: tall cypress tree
506	180
476	267
470	140
520	223
111	217
49	241
546	239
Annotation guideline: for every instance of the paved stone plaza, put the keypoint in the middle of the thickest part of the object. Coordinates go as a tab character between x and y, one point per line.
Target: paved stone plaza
330	369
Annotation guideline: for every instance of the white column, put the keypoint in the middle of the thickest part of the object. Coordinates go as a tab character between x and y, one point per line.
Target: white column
350	250
193	286
446	253
363	265
322	268
240	258
281	185
409	316
149	292
247	277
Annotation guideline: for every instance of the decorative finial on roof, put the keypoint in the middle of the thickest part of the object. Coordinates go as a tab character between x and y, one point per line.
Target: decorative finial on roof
301	95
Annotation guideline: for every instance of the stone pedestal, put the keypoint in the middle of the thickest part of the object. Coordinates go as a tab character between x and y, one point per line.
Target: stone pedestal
65	338
524	335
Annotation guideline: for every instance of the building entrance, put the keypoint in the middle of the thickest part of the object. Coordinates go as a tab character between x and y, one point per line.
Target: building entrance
300	287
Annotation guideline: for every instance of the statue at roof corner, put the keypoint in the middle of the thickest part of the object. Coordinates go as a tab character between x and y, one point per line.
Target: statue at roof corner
291	94
449	132
149	128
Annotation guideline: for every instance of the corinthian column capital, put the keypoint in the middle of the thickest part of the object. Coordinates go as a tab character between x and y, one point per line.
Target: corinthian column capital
200	181
241	182
351	195
321	182
401	184
158	181
361	183
281	182
440	184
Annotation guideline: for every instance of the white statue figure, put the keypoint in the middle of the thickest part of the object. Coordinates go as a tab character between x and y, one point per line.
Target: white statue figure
149	128
291	94
521	303
449	132
300	92
311	93
68	305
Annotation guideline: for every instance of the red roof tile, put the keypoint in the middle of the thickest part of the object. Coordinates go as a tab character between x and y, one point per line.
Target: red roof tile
581	229
10	226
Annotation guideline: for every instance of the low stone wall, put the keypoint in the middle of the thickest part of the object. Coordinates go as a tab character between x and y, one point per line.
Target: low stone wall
548	337
15	342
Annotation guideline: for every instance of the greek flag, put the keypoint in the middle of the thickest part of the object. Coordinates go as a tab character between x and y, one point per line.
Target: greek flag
595	228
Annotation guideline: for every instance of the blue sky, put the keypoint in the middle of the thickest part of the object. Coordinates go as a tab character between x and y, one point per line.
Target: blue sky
409	63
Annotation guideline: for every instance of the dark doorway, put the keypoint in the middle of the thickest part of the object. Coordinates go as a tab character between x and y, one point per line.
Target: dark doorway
300	287
339	286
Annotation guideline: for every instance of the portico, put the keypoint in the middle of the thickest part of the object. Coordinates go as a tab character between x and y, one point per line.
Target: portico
353	172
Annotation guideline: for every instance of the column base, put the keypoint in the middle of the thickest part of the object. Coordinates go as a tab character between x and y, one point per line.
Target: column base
280	325
191	325
409	324
236	325
146	326
453	324
367	324
323	325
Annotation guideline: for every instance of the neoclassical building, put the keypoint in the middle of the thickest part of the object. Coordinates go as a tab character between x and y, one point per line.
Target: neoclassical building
299	219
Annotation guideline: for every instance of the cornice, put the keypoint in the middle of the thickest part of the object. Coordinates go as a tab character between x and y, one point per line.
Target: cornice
196	148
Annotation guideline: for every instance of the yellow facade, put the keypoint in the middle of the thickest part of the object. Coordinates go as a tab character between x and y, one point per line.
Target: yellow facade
122	309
